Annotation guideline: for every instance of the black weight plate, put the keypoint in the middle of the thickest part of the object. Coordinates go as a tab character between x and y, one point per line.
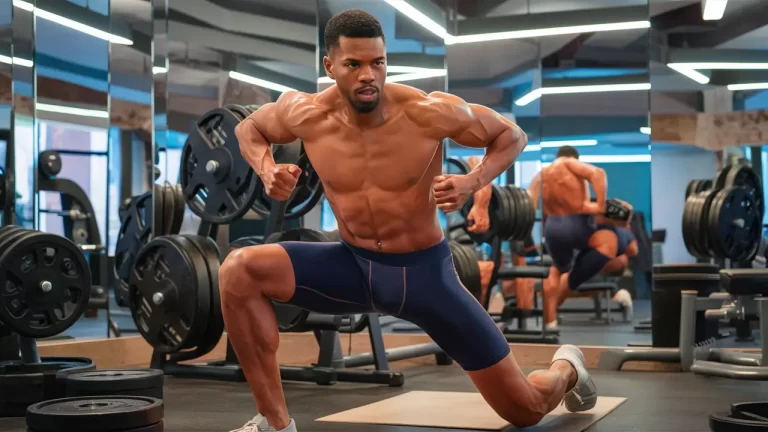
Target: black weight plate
49	163
219	185
178	210
712	224
290	318
308	192
721	179
252	108
690	188
203	292
744	175
456	166
158	210
750	411
467	268
113	380
240	111
169	209
722	422
736	224
46	285
689	226
530	213
521	214
704	202
505	214
168	320
703	185
94	414
215	328
493	216
135	233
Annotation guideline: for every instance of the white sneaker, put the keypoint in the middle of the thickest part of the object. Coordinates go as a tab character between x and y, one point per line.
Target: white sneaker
624	298
257	424
583	396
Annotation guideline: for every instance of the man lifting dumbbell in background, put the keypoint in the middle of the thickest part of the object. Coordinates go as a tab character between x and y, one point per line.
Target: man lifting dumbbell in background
377	149
571	225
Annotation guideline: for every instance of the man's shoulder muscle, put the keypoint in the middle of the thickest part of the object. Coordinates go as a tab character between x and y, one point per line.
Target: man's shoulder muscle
298	108
439	111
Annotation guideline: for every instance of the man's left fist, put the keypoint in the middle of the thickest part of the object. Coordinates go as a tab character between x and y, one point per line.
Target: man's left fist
451	191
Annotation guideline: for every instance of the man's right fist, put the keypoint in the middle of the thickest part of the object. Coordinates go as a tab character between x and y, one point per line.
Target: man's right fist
280	181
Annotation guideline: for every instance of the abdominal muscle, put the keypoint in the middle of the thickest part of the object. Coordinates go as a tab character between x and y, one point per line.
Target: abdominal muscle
385	221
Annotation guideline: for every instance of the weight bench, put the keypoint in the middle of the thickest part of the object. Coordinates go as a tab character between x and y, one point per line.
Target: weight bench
602	289
510	311
745	289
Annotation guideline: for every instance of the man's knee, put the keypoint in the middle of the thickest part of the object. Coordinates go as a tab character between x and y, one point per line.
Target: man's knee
254	270
526	414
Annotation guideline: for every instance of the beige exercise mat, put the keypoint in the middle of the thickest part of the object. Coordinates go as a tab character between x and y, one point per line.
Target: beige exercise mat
464	411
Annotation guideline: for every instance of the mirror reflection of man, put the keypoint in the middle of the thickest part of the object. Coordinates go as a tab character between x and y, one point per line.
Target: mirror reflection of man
573	222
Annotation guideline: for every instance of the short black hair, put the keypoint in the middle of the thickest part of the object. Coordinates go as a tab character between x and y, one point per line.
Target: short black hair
352	23
567	151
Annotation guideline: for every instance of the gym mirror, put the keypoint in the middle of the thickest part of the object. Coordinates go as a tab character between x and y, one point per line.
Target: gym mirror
415	57
708	72
594	108
495	73
6	103
237	54
23	112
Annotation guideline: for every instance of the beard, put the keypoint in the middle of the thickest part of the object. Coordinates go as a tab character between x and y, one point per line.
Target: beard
364	107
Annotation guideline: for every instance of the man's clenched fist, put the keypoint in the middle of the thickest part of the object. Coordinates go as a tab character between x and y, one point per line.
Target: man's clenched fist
280	181
451	191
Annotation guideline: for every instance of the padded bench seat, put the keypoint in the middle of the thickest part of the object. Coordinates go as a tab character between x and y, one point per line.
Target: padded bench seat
597	286
749	281
532	272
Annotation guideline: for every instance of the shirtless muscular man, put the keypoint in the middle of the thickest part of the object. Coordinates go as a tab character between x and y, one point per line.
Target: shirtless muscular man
574	222
378	150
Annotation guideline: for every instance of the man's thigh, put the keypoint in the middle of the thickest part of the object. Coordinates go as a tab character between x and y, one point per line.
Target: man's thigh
437	302
328	279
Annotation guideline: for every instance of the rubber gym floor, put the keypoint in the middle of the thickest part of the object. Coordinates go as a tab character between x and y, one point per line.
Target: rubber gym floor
657	402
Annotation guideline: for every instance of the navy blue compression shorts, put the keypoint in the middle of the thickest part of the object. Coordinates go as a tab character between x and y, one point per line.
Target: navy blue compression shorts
421	287
564	234
624	236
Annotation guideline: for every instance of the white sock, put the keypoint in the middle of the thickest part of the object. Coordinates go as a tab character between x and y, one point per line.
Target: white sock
291	427
551	326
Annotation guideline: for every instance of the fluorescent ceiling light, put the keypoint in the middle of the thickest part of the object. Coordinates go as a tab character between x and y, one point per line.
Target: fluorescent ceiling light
714	9
259	82
537	93
159	70
71	24
553	31
748	86
721	65
572	143
71	110
689	72
408	73
645	130
16	61
411	12
610	159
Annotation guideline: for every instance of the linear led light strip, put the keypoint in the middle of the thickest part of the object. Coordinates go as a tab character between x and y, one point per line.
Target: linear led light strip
409	73
551	144
714	9
411	12
690	69
537	93
71	24
610	159
259	82
29	63
70	110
